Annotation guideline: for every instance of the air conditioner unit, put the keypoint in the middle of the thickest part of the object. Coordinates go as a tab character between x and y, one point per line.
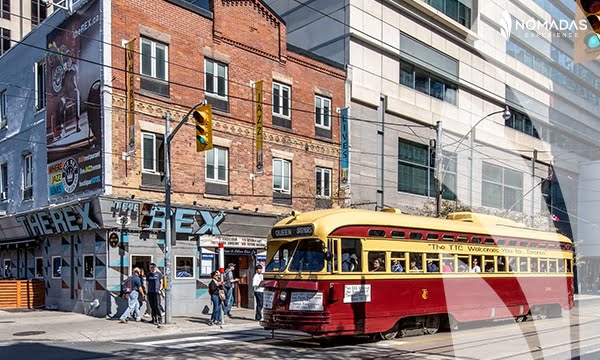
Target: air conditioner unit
3	196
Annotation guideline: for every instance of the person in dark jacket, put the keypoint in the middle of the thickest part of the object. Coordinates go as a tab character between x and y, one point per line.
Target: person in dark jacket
213	290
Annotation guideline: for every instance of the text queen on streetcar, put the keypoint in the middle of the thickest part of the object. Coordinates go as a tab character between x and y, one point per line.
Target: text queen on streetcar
348	271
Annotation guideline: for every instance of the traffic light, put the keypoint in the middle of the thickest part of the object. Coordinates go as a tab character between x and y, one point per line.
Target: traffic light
587	41
145	216
203	118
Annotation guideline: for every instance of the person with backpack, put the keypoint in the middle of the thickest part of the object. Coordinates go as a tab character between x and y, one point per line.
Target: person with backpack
229	285
217	294
132	288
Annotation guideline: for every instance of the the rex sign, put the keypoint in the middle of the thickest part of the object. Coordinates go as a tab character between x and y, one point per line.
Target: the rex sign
55	221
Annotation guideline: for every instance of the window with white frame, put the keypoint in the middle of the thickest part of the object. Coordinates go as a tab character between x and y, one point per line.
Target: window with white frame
39	267
217	164
3	116
323	182
282	99
152	153
27	176
154	59
184	267
89	265
502	188
216	78
3	182
40	85
282	175
322	112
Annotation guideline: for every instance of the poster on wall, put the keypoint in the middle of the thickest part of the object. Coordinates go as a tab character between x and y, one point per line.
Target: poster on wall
73	111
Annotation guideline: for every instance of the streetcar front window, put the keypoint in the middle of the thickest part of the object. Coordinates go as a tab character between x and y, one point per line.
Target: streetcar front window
282	256
309	256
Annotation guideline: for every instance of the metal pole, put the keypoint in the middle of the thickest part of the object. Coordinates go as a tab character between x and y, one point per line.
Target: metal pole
471	168
168	226
533	160
438	169
222	271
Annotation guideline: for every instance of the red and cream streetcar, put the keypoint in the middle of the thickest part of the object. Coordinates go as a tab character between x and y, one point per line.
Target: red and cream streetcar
354	272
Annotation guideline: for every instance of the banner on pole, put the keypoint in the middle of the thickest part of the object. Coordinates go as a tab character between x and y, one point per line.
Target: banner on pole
345	146
258	126
129	89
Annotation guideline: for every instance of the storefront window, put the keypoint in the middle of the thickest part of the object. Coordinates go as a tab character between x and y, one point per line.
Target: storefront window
56	267
184	267
39	267
88	266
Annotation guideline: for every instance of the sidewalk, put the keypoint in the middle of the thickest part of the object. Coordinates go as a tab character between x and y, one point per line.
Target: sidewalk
584	297
51	326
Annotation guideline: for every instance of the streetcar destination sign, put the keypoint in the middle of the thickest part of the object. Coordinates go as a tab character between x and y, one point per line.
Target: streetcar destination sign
295	231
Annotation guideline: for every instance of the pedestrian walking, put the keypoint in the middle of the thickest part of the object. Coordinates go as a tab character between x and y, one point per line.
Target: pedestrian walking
229	284
154	284
258	291
132	288
217	295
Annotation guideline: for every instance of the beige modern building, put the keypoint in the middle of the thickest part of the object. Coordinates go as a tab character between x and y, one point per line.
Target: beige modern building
19	17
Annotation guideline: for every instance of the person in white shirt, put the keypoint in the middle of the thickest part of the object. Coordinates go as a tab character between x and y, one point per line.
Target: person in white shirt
475	267
258	291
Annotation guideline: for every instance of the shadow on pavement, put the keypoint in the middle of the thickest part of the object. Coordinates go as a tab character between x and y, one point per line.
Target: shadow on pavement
36	351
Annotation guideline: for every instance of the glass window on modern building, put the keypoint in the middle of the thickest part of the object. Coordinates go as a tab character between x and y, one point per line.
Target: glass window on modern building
217	168
40	85
4	40
502	188
5	9
457	10
282	181
154	66
39	12
3	114
3	182
423	81
27	176
153	159
522	123
416	171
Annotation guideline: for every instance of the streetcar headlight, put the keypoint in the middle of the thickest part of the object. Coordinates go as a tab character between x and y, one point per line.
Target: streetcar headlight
282	296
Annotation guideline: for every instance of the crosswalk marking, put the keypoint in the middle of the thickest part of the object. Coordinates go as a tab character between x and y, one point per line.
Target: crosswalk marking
205	340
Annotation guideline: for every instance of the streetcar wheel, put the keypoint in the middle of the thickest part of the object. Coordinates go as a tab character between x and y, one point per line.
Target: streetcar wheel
520	319
432	324
390	334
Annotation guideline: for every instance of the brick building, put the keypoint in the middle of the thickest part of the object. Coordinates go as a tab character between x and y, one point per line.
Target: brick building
81	235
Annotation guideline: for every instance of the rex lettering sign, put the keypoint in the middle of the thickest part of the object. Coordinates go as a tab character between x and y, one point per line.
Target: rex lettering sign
55	221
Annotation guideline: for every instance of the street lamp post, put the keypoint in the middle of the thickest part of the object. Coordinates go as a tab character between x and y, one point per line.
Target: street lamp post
506	114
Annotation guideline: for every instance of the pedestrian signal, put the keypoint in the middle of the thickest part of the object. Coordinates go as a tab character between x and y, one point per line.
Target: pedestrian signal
203	120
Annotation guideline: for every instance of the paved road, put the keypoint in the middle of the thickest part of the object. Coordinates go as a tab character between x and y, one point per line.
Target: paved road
572	337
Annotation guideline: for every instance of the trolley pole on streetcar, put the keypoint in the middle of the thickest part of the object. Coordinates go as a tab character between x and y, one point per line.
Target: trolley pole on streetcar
438	169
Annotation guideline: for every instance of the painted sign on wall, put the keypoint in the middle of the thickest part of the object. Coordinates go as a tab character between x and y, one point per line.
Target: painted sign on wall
55	221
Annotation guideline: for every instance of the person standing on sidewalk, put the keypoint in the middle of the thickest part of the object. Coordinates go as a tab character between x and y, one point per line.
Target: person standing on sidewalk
154	286
214	287
229	284
132	297
258	292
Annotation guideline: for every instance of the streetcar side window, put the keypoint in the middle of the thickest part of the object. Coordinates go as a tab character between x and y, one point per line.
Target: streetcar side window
376	261
512	264
398	262
433	237
476	263
489	241
522	264
462	263
488	264
351	253
552	265
476	240
512	243
533	262
448	237
416	236
501	242
543	265
416	262
501	262
463	238
398	234
433	263
569	263
447	263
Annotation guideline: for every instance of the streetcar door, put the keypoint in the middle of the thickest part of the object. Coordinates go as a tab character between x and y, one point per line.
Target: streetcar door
333	249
